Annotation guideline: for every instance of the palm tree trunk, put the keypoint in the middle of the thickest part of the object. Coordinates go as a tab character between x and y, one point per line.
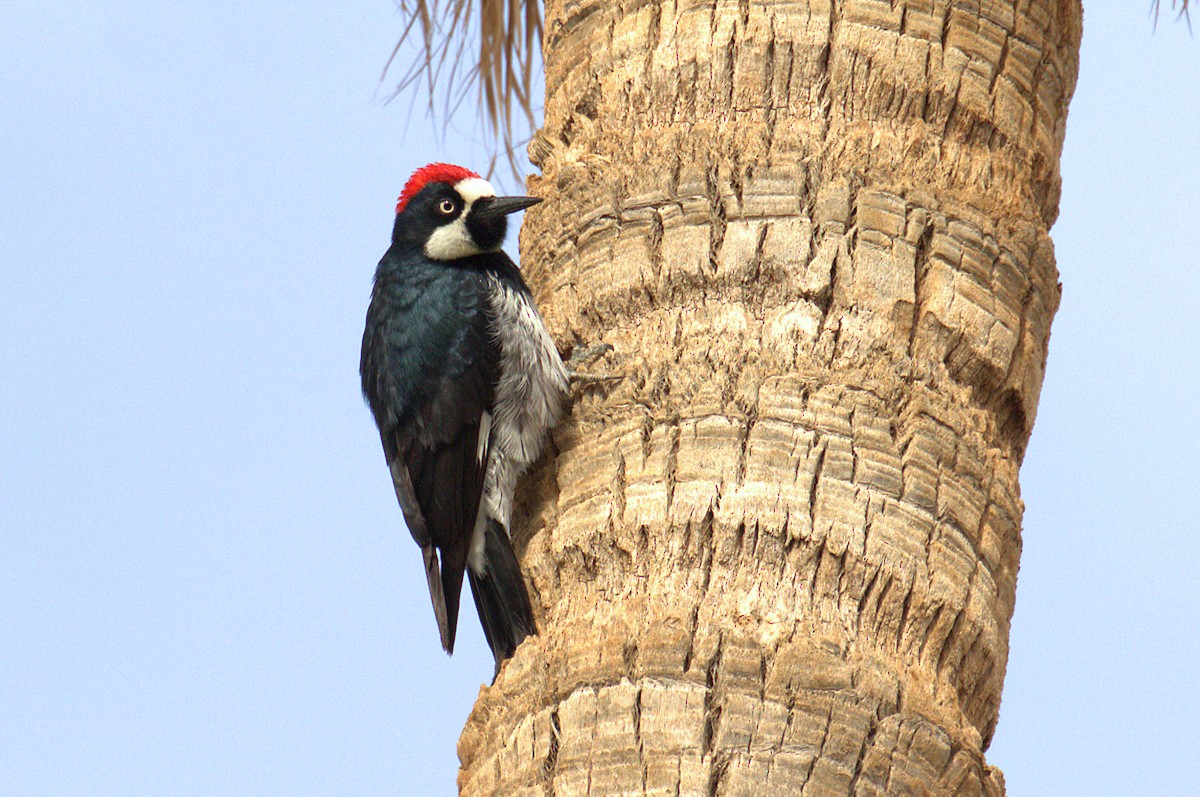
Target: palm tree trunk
780	556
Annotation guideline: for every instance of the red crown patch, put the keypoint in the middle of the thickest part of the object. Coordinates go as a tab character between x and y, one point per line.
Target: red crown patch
433	173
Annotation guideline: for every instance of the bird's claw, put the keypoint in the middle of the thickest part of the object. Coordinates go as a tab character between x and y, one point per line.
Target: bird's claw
586	355
592	379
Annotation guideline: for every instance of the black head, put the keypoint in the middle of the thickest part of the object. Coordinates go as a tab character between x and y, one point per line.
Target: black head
453	213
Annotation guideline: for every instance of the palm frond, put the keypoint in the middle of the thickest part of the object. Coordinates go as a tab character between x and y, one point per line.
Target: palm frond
1183	12
509	36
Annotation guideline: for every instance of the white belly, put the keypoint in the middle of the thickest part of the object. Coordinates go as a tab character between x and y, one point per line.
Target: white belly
530	395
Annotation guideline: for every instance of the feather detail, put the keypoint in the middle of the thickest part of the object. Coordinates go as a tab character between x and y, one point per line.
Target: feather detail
432	173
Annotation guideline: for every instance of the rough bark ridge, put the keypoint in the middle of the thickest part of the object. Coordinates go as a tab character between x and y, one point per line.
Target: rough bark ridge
780	556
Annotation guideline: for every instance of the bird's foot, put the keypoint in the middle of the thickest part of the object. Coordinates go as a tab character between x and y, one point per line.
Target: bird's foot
586	355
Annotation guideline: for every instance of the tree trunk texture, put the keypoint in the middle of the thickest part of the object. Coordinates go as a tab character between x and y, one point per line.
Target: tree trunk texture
780	555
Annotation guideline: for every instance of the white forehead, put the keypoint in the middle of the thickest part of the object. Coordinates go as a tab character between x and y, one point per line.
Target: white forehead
473	188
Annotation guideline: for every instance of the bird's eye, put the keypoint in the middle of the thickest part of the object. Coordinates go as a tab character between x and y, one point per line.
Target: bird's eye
446	206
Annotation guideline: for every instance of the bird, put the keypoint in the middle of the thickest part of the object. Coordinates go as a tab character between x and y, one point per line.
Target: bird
465	384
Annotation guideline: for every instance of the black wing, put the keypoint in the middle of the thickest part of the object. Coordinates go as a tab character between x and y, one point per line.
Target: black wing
430	366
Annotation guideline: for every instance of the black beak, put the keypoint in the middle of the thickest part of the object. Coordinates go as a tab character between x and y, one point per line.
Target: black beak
502	205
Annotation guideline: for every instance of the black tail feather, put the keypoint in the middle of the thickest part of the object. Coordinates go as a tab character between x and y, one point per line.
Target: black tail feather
500	595
433	574
453	564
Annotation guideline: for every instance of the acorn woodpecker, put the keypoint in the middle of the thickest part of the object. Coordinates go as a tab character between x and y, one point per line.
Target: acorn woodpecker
465	383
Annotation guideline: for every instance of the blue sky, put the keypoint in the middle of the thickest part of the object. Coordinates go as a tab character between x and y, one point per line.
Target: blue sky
205	587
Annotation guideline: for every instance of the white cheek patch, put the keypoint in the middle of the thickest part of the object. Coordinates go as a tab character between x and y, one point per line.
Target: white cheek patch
452	241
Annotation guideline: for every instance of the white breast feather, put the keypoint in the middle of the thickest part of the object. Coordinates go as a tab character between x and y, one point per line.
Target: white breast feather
529	396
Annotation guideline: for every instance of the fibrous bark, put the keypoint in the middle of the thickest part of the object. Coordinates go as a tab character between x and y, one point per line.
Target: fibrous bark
780	556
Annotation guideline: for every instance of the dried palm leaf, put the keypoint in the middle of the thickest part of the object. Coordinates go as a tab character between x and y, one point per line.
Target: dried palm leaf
1183	12
509	35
